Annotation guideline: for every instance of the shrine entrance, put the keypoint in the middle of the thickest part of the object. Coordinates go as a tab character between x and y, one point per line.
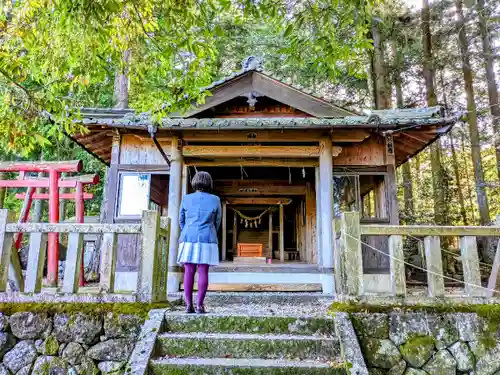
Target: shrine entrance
269	214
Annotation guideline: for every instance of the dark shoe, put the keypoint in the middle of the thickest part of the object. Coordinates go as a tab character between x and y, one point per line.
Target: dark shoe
200	310
189	309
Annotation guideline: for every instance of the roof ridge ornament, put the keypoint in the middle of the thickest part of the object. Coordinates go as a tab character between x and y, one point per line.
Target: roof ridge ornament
253	63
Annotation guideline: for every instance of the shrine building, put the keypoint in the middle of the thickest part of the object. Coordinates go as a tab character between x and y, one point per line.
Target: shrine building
285	163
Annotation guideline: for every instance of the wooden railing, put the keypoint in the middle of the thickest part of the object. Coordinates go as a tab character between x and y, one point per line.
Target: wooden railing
349	265
154	232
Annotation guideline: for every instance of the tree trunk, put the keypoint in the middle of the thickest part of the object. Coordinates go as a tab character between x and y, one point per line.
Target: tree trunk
406	167
456	170
382	86
482	199
490	79
121	83
428	72
467	178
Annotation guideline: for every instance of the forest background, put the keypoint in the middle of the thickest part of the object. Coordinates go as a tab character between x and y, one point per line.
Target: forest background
57	55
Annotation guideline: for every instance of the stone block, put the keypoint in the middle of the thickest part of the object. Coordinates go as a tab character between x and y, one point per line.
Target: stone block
80	328
73	353
417	350
380	353
371	325
463	356
398	369
50	365
111	350
442	363
23	354
30	326
118	326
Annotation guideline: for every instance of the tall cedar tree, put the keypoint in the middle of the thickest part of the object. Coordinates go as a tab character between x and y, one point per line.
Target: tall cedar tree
482	199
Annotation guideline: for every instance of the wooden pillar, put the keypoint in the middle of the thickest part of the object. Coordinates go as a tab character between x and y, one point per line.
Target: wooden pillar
326	187
349	268
435	280
470	264
174	202
310	235
235	233
185	180
224	231
390	181
271	234
112	179
282	233
319	229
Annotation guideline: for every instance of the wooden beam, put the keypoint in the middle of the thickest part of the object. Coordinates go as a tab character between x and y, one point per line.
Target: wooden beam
256	151
287	135
258	187
257	200
225	92
249	162
295	98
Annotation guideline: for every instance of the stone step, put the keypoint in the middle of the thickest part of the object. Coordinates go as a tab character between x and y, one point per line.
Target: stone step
220	345
258	324
230	366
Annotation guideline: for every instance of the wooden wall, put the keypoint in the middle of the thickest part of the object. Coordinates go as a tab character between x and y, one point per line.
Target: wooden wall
141	151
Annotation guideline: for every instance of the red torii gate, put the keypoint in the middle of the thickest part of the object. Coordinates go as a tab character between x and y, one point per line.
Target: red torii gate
53	183
79	196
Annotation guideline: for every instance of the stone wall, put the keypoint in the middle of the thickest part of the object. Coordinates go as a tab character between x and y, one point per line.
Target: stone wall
66	343
418	343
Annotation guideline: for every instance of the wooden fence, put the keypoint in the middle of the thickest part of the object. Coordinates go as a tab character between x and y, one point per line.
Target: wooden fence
152	279
349	265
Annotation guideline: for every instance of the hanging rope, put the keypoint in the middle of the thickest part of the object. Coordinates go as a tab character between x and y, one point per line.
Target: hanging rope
250	221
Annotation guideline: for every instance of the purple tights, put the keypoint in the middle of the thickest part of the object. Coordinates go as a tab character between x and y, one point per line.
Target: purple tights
189	272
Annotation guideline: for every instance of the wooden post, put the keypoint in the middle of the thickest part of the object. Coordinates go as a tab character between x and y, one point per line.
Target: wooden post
494	280
108	263
6	244
235	233
271	234
319	228
310	236
149	268
390	181
174	203
73	261
224	231
282	233
36	262
397	266
326	187
470	265
434	262
112	179
185	179
350	267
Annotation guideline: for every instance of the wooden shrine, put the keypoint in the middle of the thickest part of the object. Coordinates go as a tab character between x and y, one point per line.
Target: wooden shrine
270	147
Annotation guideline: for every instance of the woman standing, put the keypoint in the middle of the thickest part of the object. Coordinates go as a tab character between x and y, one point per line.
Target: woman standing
200	218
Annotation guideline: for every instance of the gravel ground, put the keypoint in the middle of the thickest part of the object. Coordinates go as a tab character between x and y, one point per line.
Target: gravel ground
286	304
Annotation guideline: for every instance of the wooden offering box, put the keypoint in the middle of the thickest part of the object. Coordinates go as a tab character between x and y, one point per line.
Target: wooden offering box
250	250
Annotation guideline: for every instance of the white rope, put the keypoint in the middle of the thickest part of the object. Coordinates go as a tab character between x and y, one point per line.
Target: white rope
423	269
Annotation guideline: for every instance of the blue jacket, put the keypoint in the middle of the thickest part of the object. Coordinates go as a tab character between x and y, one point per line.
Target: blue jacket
200	218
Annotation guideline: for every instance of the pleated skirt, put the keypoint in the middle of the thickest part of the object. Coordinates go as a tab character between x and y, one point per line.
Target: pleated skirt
198	253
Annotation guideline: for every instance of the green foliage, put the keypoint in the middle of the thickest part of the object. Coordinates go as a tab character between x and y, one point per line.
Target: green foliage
57	55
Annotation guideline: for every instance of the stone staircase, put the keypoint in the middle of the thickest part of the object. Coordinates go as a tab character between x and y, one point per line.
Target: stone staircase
222	343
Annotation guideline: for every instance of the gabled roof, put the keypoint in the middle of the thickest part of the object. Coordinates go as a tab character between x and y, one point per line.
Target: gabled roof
253	79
